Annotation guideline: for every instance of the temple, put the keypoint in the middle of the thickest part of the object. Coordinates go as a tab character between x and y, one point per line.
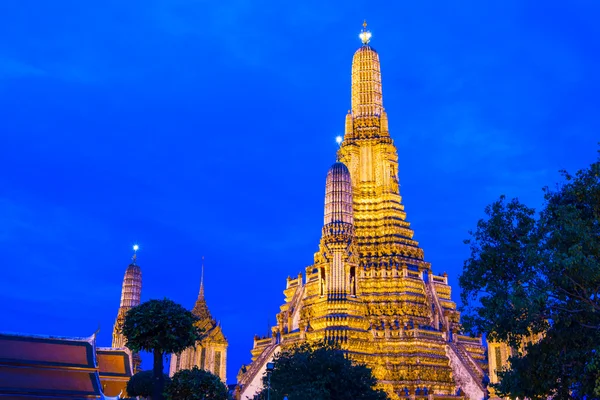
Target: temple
131	294
53	367
370	289
210	353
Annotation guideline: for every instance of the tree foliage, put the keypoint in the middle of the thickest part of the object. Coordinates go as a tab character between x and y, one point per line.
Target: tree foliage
195	384
539	273
140	384
160	327
319	371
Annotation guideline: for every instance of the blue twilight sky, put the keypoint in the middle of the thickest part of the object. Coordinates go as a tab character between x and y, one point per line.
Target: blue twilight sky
207	127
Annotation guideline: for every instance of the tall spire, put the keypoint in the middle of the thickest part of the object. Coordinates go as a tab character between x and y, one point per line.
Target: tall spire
132	284
131	292
201	293
367	99
200	308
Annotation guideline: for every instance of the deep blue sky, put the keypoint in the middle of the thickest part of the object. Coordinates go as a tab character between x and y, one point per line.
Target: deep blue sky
207	127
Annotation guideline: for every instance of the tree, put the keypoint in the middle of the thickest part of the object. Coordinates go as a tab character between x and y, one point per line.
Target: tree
319	371
539	274
196	384
140	384
160	327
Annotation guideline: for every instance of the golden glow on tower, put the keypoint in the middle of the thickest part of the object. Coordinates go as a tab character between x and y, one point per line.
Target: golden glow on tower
370	289
367	99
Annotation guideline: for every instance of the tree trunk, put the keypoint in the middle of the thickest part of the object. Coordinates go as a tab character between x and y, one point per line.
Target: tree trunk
158	383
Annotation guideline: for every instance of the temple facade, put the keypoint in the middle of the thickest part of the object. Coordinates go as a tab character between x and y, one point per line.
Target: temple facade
370	289
131	293
499	354
210	353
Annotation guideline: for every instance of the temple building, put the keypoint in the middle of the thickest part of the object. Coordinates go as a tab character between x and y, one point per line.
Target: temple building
131	294
53	367
210	353
370	289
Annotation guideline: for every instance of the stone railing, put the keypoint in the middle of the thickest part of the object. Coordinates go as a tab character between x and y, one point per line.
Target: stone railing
295	304
430	285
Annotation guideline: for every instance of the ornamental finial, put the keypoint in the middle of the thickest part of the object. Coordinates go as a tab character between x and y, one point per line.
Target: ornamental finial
365	35
201	294
135	249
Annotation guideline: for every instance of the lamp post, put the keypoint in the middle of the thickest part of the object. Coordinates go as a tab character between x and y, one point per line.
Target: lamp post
270	368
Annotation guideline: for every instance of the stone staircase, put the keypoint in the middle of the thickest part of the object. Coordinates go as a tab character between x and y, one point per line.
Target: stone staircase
251	382
467	373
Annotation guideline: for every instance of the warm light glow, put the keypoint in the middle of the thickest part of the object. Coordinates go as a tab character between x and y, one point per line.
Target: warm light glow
365	36
338	139
135	247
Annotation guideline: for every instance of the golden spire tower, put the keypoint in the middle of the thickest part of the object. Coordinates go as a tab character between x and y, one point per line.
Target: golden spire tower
370	289
367	100
131	294
372	159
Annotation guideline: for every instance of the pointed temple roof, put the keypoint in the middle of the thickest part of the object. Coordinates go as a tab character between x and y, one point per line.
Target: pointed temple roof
201	308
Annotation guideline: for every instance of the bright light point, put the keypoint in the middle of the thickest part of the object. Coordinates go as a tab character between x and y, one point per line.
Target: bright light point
338	139
365	37
135	247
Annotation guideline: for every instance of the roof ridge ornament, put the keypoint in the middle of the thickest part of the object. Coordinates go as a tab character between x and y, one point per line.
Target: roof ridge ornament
365	35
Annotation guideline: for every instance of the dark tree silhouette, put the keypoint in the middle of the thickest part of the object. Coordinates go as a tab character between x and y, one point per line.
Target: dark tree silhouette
160	327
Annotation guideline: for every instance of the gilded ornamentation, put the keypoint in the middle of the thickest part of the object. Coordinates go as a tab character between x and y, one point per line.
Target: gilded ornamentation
369	288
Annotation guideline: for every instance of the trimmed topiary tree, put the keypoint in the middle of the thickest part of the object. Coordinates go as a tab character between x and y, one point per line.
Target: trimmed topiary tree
140	384
196	384
160	327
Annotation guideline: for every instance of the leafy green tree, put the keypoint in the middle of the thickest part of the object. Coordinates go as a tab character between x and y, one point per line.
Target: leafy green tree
140	384
539	273
196	384
319	371
160	327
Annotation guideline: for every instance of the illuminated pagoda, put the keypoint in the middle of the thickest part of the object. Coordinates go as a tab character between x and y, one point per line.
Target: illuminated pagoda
210	352
370	289
131	294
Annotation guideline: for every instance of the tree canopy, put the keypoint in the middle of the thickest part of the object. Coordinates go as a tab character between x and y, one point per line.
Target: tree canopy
539	274
319	372
195	384
140	384
160	327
